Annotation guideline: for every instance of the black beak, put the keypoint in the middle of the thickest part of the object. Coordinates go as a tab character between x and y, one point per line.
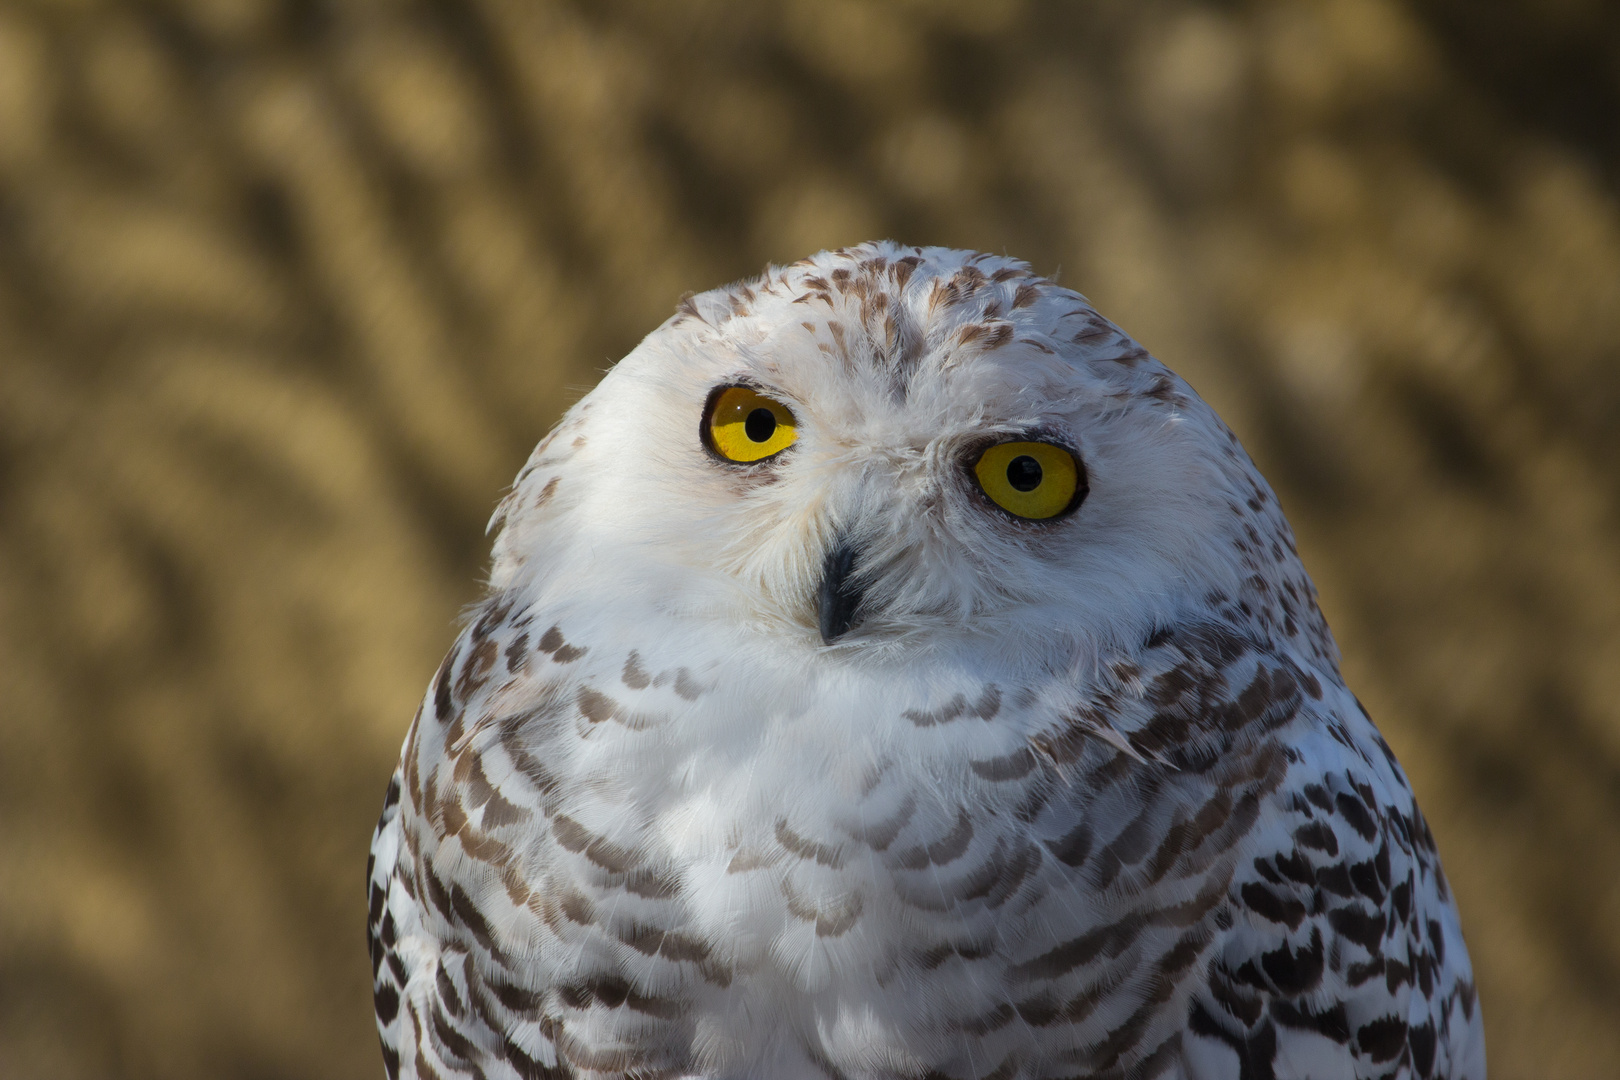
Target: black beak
840	598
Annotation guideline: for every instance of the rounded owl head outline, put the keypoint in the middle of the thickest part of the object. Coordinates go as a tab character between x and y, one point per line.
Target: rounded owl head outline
870	530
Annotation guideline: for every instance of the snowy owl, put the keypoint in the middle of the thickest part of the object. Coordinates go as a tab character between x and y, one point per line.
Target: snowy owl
890	670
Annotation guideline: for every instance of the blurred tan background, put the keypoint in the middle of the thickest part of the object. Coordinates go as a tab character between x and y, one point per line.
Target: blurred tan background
289	288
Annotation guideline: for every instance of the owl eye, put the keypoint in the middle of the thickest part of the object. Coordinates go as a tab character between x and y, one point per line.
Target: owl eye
743	425
1034	480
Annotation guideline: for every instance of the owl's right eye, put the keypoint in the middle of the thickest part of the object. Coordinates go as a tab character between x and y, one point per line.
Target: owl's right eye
745	426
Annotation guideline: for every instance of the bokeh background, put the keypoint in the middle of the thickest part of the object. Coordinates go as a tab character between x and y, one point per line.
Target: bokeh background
288	289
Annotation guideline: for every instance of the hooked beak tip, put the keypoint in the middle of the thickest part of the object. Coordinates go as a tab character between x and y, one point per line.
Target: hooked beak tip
839	599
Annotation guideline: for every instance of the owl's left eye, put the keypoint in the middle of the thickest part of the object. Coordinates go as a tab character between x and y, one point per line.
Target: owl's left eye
745	426
1031	480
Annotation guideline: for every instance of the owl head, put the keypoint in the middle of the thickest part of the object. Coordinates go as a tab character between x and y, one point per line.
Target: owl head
882	449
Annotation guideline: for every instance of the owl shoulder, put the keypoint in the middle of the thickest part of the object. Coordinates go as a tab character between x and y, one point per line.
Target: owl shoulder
1341	952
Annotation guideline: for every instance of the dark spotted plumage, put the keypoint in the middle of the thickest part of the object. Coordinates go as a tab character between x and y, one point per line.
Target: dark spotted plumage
1086	799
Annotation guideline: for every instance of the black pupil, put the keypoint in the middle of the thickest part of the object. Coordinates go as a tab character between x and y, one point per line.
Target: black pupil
761	425
1023	472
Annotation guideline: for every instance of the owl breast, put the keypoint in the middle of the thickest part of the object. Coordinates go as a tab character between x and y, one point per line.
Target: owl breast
707	869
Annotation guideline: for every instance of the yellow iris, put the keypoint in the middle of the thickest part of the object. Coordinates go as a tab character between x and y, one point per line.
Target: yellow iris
744	425
1033	480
